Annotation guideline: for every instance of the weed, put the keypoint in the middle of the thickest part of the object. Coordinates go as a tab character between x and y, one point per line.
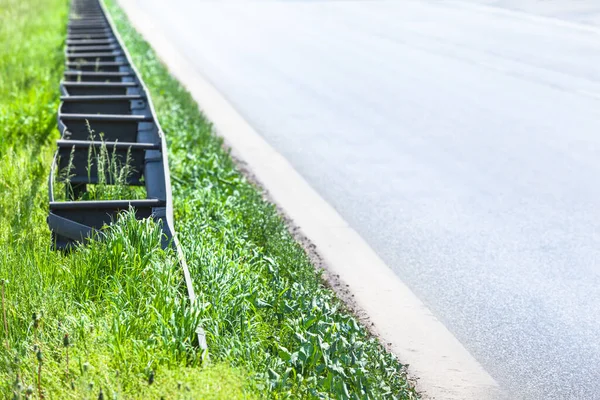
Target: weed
66	346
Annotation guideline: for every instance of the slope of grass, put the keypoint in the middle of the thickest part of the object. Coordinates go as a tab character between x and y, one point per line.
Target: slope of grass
109	317
263	307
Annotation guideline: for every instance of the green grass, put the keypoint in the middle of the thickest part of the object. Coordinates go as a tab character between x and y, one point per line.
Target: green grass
273	329
31	60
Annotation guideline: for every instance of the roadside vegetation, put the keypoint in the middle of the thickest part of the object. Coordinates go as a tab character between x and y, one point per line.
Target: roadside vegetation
111	320
264	306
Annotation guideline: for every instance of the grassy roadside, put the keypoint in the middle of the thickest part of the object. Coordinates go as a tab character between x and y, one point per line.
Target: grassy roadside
111	316
102	318
264	307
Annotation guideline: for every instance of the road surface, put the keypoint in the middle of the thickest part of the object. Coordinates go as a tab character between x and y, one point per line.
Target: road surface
460	139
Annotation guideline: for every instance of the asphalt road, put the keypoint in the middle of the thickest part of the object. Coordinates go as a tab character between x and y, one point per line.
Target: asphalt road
461	141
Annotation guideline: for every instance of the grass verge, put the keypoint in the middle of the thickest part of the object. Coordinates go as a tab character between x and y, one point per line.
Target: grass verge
264	307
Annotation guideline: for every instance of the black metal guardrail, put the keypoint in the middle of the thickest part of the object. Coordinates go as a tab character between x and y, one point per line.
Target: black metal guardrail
102	90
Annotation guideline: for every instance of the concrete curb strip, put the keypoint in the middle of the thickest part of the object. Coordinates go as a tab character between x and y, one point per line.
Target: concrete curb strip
444	368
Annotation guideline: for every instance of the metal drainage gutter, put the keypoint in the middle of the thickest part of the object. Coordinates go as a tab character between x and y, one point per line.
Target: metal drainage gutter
102	90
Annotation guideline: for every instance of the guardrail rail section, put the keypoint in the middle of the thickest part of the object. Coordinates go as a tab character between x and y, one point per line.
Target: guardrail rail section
102	93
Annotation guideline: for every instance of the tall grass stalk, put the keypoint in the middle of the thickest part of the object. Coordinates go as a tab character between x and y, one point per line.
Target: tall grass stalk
4	319
112	170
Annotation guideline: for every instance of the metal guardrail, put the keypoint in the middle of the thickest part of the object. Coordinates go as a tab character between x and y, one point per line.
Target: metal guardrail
102	90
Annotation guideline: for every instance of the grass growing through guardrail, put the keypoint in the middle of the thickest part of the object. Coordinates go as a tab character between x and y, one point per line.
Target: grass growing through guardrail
113	172
108	318
265	306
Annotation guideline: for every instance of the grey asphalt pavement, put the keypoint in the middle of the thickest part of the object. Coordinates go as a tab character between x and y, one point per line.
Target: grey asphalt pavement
460	139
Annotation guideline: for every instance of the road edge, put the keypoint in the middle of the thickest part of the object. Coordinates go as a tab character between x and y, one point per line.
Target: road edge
443	368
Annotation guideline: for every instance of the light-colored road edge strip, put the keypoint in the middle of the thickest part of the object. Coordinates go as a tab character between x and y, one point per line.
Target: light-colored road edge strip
443	367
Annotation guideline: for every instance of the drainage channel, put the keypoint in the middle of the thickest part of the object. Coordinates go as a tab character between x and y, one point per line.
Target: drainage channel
110	138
